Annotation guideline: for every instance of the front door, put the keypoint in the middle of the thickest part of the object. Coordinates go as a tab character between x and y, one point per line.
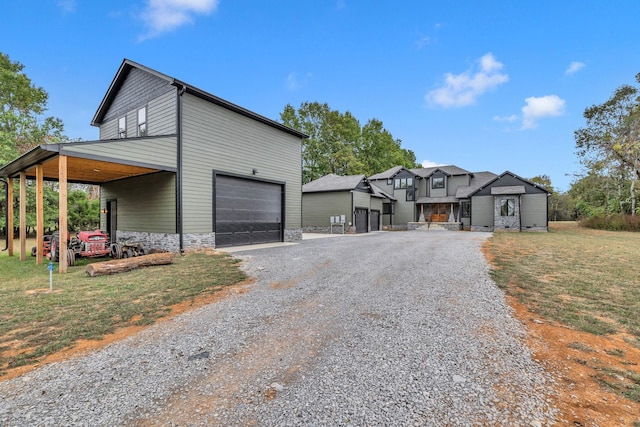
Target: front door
439	212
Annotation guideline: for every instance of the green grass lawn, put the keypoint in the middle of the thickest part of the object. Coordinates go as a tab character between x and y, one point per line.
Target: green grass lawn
586	279
35	322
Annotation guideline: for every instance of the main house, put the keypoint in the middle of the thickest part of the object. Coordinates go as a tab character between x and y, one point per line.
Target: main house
180	168
448	195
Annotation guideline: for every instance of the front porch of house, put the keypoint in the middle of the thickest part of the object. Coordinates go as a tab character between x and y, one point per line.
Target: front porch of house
445	211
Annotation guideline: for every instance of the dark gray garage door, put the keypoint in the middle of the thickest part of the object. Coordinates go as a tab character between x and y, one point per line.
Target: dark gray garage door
362	223
247	211
375	220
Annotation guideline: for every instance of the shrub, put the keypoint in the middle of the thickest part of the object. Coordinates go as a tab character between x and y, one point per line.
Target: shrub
616	222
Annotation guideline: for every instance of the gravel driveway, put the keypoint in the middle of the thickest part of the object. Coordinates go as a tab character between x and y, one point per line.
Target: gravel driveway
390	328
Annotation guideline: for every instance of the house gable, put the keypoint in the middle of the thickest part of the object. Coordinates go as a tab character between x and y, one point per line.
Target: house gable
511	203
509	179
135	88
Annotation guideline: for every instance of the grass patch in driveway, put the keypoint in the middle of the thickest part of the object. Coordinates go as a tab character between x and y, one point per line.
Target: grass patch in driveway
35	323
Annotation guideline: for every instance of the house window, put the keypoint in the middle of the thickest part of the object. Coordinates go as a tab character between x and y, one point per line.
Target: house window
122	127
411	194
388	209
401	183
507	207
466	209
389	181
142	121
437	182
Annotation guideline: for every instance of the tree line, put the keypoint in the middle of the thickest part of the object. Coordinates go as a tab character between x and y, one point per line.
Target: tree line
339	144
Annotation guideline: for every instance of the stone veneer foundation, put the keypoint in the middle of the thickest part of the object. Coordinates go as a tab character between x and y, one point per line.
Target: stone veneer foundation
191	241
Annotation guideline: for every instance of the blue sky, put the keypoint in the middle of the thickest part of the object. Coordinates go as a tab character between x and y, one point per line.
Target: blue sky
485	85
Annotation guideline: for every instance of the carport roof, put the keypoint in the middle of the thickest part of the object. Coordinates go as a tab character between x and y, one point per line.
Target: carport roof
81	167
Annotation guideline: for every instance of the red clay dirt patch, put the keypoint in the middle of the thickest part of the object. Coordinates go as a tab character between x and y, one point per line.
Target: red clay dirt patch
85	346
576	360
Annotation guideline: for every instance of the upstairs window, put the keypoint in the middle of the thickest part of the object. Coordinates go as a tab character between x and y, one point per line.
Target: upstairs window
507	207
401	183
437	182
122	127
142	121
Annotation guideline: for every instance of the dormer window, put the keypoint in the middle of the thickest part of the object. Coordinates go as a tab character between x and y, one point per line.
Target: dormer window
142	121
122	127
437	182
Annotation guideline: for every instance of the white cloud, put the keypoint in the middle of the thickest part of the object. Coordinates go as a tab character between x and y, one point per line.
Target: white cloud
463	89
430	164
422	42
68	6
509	119
161	16
295	83
539	107
574	67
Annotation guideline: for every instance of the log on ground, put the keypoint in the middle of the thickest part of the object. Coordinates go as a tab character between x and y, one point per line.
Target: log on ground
127	264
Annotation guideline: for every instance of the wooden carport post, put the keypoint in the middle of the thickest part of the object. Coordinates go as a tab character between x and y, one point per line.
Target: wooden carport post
62	217
23	216
39	214
10	215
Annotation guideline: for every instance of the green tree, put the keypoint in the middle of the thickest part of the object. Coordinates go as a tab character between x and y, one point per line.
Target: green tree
609	144
23	124
84	214
338	144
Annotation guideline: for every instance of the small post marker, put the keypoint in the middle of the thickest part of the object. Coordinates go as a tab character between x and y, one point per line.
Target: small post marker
50	268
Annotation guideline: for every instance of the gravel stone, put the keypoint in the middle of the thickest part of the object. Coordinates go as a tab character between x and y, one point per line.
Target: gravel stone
387	328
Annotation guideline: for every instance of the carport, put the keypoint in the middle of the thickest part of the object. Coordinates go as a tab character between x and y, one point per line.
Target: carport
80	162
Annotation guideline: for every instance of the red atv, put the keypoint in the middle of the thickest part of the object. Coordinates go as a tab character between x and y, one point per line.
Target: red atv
84	244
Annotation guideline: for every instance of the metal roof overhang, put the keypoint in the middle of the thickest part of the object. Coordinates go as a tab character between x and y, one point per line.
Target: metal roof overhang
81	167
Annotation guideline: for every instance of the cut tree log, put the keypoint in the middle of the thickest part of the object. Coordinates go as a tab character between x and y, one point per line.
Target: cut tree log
126	264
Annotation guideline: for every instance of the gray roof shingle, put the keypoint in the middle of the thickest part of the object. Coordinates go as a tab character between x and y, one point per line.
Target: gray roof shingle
333	182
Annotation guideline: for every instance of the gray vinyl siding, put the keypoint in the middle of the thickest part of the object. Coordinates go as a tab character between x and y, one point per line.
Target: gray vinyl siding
137	90
376	204
482	211
161	118
145	204
422	188
453	182
109	130
533	210
149	151
215	138
161	115
361	200
318	207
405	211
